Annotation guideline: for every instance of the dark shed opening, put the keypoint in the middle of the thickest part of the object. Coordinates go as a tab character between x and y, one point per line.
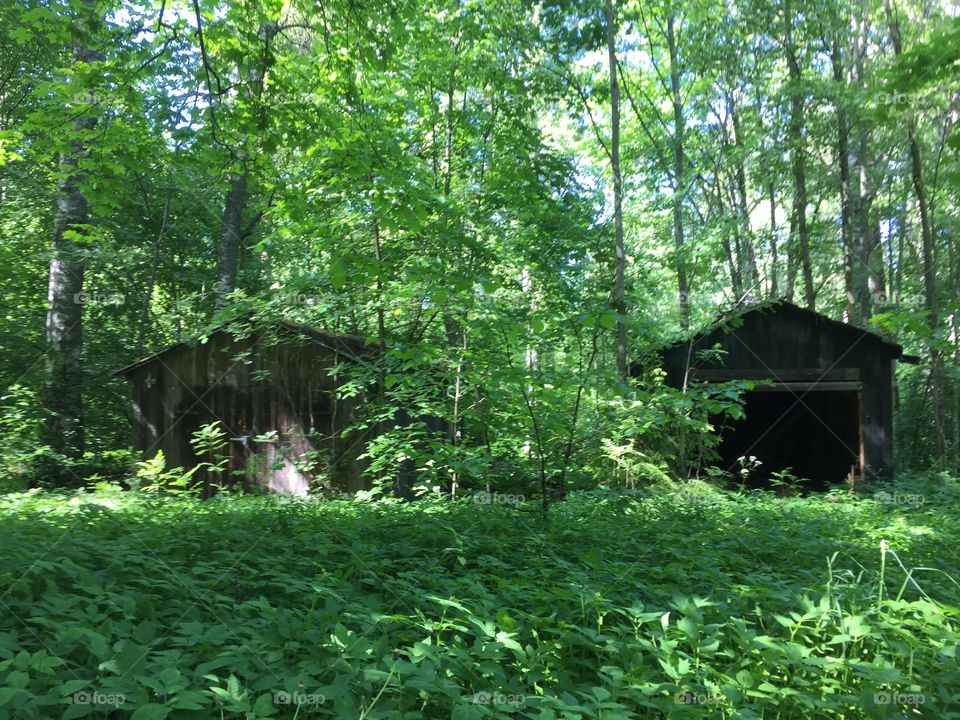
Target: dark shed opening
782	430
825	406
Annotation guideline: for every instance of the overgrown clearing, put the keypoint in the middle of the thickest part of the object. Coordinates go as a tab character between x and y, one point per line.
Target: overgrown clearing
659	605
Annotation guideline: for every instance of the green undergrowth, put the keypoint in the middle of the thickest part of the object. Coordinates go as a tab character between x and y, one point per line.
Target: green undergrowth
681	605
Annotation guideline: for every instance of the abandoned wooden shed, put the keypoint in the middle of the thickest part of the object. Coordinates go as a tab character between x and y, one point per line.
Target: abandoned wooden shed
273	386
827	407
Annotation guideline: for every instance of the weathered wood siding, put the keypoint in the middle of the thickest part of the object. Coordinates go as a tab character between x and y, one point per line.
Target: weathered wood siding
784	337
254	387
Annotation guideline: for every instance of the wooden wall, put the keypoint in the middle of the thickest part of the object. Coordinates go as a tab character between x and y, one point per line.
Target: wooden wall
785	337
253	385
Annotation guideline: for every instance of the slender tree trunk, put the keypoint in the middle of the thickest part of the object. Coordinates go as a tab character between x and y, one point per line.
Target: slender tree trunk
843	165
679	185
955	339
455	327
154	269
63	429
231	232
792	263
867	279
736	283
929	261
860	227
748	257
897	279
874	282
774	260
955	388
795	132
378	256
619	282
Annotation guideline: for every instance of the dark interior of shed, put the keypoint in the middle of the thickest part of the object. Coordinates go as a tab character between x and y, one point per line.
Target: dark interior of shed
815	435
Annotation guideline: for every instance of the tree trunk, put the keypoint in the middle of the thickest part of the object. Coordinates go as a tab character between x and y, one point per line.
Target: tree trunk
774	260
679	186
63	429
867	280
791	280
860	227
852	310
736	283
795	132
619	282
230	235
232	230
929	261
749	272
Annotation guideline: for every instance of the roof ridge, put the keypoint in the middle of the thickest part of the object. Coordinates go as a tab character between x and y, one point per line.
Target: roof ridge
741	309
311	331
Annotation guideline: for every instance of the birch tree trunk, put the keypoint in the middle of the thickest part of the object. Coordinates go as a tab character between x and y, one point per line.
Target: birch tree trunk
63	388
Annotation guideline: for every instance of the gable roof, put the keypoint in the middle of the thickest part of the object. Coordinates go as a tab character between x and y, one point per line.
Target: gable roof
726	319
351	346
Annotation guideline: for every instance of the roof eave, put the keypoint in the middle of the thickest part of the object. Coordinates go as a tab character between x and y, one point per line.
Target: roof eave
311	333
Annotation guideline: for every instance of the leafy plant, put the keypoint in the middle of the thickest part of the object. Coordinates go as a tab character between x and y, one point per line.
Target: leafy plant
622	605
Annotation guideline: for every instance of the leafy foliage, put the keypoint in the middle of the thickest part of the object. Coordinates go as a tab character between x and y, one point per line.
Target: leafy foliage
614	605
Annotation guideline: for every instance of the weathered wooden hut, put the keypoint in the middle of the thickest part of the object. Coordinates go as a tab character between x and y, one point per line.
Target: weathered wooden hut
273	387
827	407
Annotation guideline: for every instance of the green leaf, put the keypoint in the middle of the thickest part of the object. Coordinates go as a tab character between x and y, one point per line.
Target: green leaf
17	679
600	693
688	627
338	273
9	693
78	711
151	711
72	686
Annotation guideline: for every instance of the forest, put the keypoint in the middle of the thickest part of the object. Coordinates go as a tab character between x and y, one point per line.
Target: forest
389	359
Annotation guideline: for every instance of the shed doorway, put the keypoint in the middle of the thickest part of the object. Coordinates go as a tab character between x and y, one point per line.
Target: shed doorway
816	434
